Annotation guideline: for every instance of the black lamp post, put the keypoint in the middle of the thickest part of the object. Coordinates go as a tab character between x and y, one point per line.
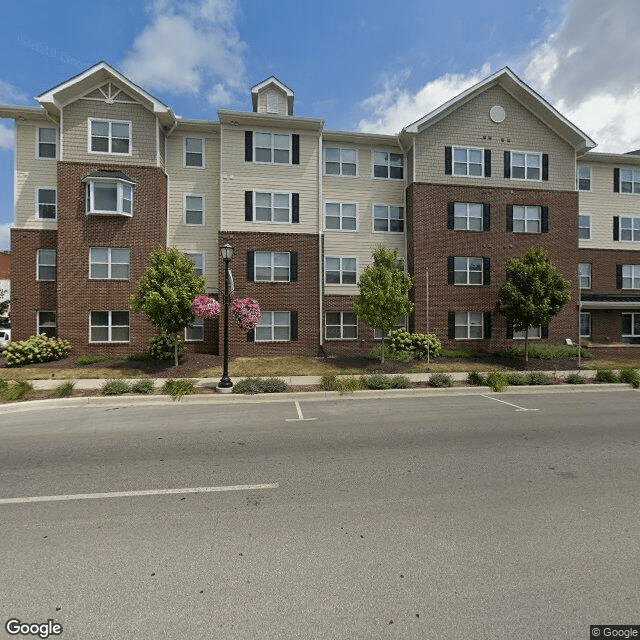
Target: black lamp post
225	385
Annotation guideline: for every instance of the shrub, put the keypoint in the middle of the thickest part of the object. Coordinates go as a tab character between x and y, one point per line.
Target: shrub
328	381
63	390
399	382
575	378
142	357
15	391
464	353
142	386
440	380
497	381
422	345
606	375
114	388
630	376
179	388
550	351
38	348
390	354
539	378
516	379
82	361
477	379
376	382
161	347
348	385
260	385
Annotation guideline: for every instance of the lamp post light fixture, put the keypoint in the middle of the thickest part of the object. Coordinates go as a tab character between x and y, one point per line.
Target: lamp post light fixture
225	385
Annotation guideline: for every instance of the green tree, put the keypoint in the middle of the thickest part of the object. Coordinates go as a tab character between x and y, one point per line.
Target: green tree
4	302
533	294
166	291
383	293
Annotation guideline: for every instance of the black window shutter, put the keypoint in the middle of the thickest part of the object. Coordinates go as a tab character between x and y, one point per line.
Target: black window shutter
295	148
248	146
616	228
545	331
509	330
451	215
618	276
544	219
293	266
487	163
450	269
545	166
509	217
250	263
295	207
507	164
294	325
248	206
448	167
486	270
486	217
452	324
487	324
616	180
251	335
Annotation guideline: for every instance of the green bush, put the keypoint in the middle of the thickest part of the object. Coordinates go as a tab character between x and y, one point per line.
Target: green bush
82	361
550	351
606	375
38	348
399	382
260	385
331	382
15	391
477	379
328	381
516	379
161	347
575	378
114	387
379	381
497	381
390	354
63	390
440	380
142	386
422	345
630	376
179	388
539	378
464	353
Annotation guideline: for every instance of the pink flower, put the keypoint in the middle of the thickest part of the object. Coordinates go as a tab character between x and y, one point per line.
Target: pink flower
247	313
205	307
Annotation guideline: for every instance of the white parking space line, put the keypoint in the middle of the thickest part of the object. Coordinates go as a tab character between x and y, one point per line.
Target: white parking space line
128	494
518	408
300	417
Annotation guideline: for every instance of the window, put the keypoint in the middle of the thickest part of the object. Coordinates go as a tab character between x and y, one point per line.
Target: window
584	273
109	136
631	276
270	266
401	323
629	181
47	142
195	331
198	262
193	152
46	267
340	162
340	270
108	264
631	325
469	325
629	229
341	216
584	177
526	219
46	207
272	148
388	165
109	326
274	326
341	325
526	166
47	323
533	332
585	324
194	210
468	271
584	226
272	207
107	196
388	218
468	161
467	216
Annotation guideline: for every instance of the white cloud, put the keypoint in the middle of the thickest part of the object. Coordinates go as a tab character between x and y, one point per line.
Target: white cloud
5	235
10	94
7	136
189	48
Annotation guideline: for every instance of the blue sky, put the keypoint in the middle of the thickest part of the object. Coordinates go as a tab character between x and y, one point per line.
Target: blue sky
361	65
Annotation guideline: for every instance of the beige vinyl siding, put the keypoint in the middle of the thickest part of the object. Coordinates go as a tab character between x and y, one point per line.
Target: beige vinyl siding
603	204
282	101
31	173
205	182
470	126
239	176
76	132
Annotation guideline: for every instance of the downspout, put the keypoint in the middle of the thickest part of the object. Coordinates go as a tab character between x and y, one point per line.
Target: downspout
320	249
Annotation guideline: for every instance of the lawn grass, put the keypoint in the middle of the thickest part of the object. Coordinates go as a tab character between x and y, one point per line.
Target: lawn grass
267	366
75	373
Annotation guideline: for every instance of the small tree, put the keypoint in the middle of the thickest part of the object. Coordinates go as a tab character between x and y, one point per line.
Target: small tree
166	291
383	293
4	302
533	294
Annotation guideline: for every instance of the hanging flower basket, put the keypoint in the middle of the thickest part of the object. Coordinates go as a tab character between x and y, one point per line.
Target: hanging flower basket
205	307
246	312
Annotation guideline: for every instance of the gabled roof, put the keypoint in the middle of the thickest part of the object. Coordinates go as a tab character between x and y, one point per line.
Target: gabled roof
70	90
276	83
521	92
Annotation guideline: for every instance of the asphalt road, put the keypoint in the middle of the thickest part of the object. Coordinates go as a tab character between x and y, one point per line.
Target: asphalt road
476	516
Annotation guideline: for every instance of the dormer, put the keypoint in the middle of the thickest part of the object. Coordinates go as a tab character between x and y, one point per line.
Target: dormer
271	96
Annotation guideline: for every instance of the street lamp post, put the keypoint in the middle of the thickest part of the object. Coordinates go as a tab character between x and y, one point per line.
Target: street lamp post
225	385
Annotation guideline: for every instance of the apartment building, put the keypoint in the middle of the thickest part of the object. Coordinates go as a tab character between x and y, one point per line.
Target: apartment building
105	173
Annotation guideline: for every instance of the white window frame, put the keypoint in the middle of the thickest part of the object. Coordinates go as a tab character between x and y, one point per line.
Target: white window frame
272	147
268	321
110	137
388	218
340	162
121	196
44	204
585	314
272	195
387	163
535	333
467	323
38	143
631	273
584	275
467	271
185	152
526	219
39	263
194	332
468	217
633	231
342	326
194	254
110	326
42	325
341	216
527	155
341	271
581	226
184	210
579	178
633	334
634	181
109	262
272	267
467	163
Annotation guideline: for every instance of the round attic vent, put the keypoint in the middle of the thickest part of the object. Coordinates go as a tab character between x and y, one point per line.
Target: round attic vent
497	113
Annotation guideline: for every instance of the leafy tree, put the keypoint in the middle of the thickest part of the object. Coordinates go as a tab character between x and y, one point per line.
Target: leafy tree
383	293
533	294
4	302
166	291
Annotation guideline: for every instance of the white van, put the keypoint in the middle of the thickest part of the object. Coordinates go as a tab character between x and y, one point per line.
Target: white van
5	338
